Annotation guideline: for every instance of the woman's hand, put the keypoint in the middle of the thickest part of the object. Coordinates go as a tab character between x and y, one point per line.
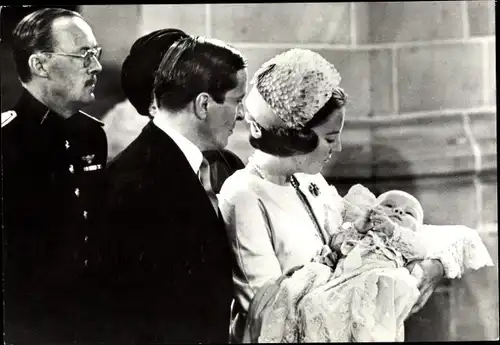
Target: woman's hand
431	272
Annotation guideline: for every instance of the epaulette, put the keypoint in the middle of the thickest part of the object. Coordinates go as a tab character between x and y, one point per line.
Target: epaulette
91	118
7	117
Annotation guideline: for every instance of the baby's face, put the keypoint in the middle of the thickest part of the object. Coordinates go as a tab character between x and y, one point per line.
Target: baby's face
403	209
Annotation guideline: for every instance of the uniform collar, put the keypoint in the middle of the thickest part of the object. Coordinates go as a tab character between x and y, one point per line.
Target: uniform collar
36	111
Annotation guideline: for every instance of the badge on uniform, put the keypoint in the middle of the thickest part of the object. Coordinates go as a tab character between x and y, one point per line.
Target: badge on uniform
92	167
88	159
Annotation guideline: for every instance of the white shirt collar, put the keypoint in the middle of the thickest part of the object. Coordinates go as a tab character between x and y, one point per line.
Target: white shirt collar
190	150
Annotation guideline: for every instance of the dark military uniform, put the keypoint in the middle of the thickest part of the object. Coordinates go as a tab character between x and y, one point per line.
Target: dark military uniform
52	184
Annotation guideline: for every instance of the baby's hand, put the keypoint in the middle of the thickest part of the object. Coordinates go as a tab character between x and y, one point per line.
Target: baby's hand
381	222
362	224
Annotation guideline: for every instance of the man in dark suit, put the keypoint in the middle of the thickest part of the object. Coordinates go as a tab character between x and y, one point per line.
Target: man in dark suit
53	156
223	163
166	259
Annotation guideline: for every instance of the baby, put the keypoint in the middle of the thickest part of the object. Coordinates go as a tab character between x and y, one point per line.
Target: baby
366	294
396	208
387	233
370	275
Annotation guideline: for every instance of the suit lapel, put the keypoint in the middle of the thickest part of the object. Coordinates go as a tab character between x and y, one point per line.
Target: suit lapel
170	159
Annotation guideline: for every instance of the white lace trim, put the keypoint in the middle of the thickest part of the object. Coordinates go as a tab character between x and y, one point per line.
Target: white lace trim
459	248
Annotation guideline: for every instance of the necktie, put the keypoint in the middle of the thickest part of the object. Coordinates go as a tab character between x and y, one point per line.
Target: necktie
204	176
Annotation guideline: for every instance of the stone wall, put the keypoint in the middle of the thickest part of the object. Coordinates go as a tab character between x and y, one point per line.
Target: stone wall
421	77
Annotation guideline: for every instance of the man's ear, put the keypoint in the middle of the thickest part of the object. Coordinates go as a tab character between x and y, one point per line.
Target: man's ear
201	104
38	64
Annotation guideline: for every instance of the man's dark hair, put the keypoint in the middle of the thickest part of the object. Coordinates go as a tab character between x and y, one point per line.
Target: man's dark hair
193	65
286	142
34	33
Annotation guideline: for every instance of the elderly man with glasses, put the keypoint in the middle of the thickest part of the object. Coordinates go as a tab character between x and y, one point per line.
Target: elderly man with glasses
53	156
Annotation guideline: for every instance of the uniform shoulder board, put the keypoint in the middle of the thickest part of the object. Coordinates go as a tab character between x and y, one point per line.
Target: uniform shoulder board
90	117
7	117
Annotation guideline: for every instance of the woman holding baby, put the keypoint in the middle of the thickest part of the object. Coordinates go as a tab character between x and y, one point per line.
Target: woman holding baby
279	211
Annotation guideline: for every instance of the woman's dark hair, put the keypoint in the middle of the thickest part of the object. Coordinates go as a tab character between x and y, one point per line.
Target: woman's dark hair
195	65
34	33
140	66
285	142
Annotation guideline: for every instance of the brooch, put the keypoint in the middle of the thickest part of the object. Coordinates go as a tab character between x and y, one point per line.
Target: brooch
313	189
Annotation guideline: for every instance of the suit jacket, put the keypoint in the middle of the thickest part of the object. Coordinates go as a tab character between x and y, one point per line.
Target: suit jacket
51	173
165	256
223	163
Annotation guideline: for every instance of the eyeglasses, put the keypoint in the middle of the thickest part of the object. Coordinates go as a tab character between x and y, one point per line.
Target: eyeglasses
87	56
